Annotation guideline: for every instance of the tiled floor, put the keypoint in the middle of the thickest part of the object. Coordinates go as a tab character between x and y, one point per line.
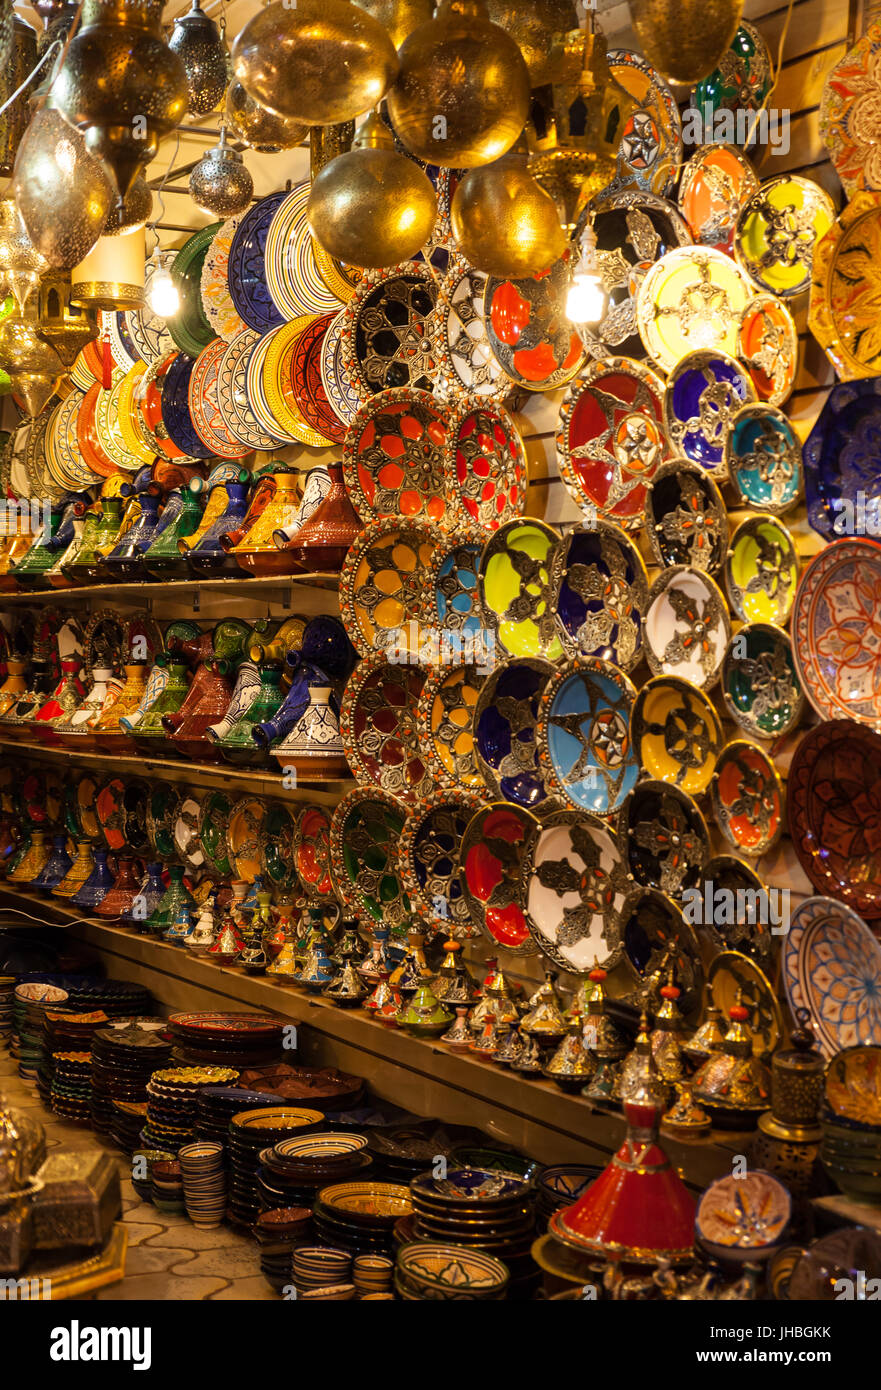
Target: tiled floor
168	1257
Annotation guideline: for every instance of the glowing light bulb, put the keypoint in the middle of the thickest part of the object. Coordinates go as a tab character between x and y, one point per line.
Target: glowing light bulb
164	296
586	299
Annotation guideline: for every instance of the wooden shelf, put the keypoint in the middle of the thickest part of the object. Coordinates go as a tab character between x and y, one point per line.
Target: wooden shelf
422	1076
175	588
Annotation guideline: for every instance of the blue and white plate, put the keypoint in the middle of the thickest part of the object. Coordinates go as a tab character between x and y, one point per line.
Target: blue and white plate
600	589
842	461
176	408
584	735
246	270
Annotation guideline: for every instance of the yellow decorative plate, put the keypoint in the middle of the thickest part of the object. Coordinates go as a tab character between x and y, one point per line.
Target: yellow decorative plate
761	571
276	382
130	430
845	285
382	586
777	231
691	298
676	733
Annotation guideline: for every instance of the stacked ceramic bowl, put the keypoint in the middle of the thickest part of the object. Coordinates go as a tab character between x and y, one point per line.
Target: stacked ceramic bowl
71	1095
218	1104
372	1274
172	1103
321	1267
851	1156
204	1178
123	1060
233	1040
7	989
560	1186
278	1233
360	1216
167	1186
65	1032
250	1132
432	1270
483	1209
293	1172
400	1152
127	1120
142	1164
850	1115
30	1001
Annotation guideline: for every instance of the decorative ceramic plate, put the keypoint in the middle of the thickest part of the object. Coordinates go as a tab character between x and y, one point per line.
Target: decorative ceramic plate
691	299
103	642
213	834
741	82
339	388
515	589
836	624
686	521
583	735
733	977
490	861
444	725
341	279
134	436
656	937
759	684
600	591
763	459
850	122
246	266
280	833
113	328
778	231
258	376
715	184
505	721
190	328
676	733
378	727
632	230
845	273
610	440
394	457
148	403
808	911
86	791
216	299
381	586
204	409
663	837
529	334
312	855
650	152
485	464
271	383
232	397
364	838
451	602
149	333
73	466
704	392
87	436
853	1085
738	910
686	626
109	808
744	1215
187	845
572	889
108	429
306	383
292	275
747	798
842	478
832	790
385	340
244	836
176	408
429	861
163	806
465	360
761	571
839	977
767	345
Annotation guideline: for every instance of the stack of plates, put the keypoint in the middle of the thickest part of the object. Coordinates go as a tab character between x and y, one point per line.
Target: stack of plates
72	1086
483	1208
30	1002
127	1119
278	1233
249	1134
359	1216
7	986
234	1040
560	1186
403	1151
218	1104
292	1173
204	1183
320	1267
142	1164
118	998
123	1060
440	1272
167	1186
172	1103
372	1274
320	1088
65	1032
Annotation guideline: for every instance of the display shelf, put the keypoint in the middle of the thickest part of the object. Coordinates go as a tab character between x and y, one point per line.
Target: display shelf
179	588
422	1076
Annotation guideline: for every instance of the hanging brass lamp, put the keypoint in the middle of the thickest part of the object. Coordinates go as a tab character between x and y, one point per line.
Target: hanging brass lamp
398	17
62	191
503	221
34	366
21	264
198	42
20	61
685	41
65	326
539	29
220	183
262	130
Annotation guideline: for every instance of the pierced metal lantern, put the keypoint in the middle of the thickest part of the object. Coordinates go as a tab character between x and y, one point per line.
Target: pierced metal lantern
261	129
136	208
67	327
220	183
61	190
20	62
199	44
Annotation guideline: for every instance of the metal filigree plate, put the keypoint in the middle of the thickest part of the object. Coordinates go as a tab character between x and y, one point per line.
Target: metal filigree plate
767	344
650	152
840	457
365	835
733	978
656	938
451	607
763	459
466	363
188	846
163	806
213	834
686	521
733	910
378	727
382	585
747	797
741	82
850	115
385	338
715	184
664	837
600	591
836	631
515	589
312	852
444	721
583	735
490	862
761	571
686	627
704	392
528	331
759	684
279	864
676	733
505	718
778	231
844	289
691	298
572	889
394	457
610	439
429	859
485	464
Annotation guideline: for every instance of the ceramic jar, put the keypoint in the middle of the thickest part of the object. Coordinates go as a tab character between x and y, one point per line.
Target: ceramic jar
188	730
14	549
14	685
126	559
118	901
56	866
204	932
30	571
257	552
180	517
244	694
224	513
148	730
151	891
63	703
319	543
86	565
176	895
314	746
109	737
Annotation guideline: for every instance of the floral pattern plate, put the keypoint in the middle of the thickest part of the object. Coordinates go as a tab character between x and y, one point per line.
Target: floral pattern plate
246	266
385	338
761	571
650	152
705	391
691	299
490	862
232	395
217	302
394	457
850	117
378	727
777	233
529	334
715	184
205	414
338	386
844	289
364	837
600	591
312	852
676	733
485	464
741	82
760	686
747	797
505	719
686	521
664	837
445	727
381	586
836	631
832	967
686	626
515	589
840	455
583	735
429	861
767	345
466	363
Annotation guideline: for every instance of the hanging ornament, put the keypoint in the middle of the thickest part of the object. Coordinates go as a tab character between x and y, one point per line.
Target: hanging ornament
685	41
503	221
372	207
7	19
65	326
539	30
398	17
21	264
220	183
19	64
462	95
319	61
122	85
263	130
62	192
198	43
137	207
34	366
111	276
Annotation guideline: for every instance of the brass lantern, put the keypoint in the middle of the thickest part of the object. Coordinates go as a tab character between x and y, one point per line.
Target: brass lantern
539	30
21	264
19	64
62	192
685	41
67	327
33	364
263	130
198	43
503	221
220	183
398	17
136	208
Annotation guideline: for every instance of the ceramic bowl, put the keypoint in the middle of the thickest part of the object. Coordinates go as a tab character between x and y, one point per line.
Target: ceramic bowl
450	1272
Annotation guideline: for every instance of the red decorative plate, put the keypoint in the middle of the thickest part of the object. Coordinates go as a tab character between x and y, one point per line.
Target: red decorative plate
205	414
378	727
110	808
148	401
87	435
528	330
490	861
312	853
486	463
394	457
304	366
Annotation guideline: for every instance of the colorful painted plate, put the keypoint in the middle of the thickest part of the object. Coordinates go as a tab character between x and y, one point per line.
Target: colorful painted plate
738	910
850	122
87	439
232	397
213	834
691	298
600	590
176	408
385	339
763	459
778	231
515	589
650	152
162	814
109	430
852	1090
279	866
490	862
246	266
505	720
759	683
836	624
704	392
205	413
767	345
664	837
733	978
339	388
444	725
485	464
429	861
122	346
656	937
842	477
364	837
839	976
845	272
583	735
676	733
741	82
610	440
747	797
257	376
381	586
378	727
451	601
686	521
395	459
150	334
715	184
761	571
528	332
245	836
217	303
190	328
292	275
312	854
686	626
130	425
572	889
148	394
466	363
306	382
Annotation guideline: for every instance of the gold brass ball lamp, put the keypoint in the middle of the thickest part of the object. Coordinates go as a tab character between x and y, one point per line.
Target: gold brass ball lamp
685	40
260	129
503	221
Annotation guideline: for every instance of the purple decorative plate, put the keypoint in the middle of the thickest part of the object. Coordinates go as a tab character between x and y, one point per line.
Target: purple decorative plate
246	272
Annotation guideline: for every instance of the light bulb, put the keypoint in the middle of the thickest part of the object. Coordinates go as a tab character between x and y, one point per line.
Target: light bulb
164	296
586	299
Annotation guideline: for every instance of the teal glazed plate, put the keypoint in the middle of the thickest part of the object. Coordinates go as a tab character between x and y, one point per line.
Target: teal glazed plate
364	837
760	685
763	457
